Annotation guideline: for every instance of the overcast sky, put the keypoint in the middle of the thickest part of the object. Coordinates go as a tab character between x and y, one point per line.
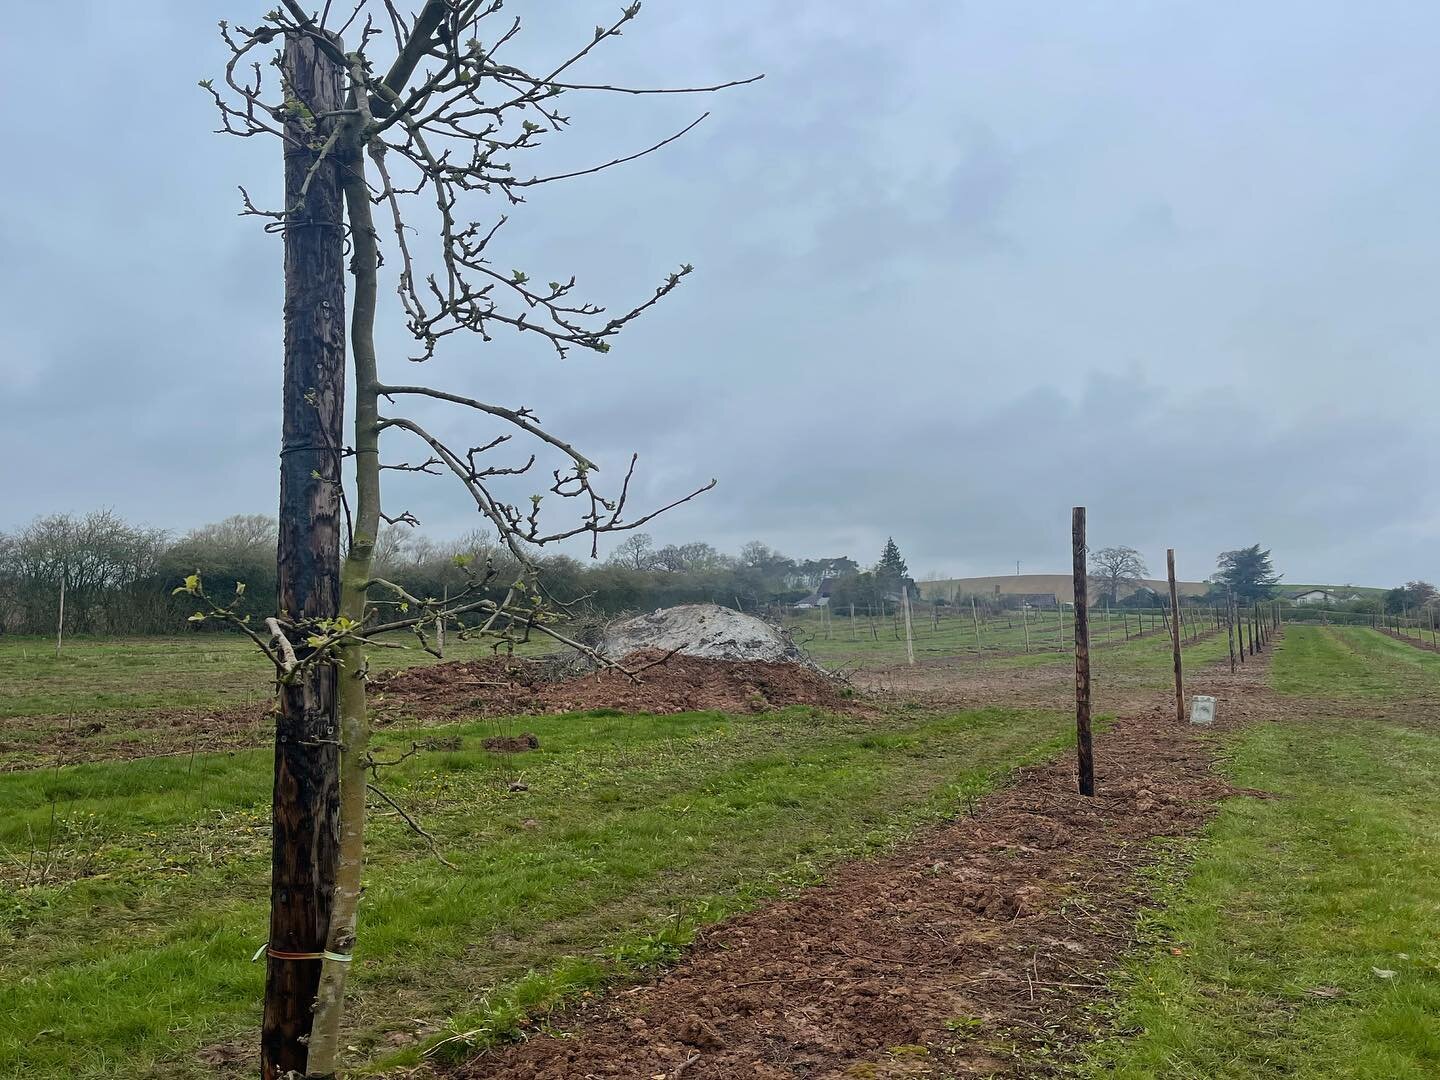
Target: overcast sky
959	266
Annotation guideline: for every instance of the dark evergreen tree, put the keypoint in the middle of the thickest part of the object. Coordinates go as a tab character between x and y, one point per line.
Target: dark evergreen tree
1248	572
891	566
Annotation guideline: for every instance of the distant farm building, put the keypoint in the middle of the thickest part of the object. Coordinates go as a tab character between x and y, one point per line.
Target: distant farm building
817	599
1323	596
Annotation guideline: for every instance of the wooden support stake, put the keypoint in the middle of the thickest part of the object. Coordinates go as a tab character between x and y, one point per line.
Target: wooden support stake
974	615
1175	636
1230	629
1084	752
1025	622
305	819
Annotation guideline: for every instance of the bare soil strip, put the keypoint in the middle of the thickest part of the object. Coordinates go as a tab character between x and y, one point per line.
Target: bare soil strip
1419	643
974	950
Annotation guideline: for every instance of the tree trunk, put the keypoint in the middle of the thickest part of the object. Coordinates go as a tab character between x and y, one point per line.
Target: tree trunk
305	835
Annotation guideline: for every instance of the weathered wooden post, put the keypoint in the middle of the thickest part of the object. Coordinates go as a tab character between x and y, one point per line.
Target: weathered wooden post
1025	622
1175	635
1230	627
852	622
306	800
975	616
1084	752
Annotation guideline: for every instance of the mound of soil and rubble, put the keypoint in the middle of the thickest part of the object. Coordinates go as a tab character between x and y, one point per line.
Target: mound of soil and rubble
708	631
686	658
675	683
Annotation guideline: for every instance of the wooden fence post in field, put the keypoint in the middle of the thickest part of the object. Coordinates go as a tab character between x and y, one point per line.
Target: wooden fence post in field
975	617
1175	636
852	622
909	639
1084	753
1230	628
305	819
1025	622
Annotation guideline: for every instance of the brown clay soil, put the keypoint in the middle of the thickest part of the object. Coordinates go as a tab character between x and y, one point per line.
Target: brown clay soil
438	693
673	684
976	950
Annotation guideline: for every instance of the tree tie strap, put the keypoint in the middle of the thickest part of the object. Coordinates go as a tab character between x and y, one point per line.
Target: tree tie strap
280	954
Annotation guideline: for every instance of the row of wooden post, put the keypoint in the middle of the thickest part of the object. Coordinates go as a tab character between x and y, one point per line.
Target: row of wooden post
1189	624
1261	622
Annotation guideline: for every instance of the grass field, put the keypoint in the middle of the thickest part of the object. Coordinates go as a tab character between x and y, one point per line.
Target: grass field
132	894
1143	658
144	693
1036	634
208	671
1354	662
1302	942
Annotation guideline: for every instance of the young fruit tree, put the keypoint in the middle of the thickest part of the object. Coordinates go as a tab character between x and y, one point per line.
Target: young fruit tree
415	118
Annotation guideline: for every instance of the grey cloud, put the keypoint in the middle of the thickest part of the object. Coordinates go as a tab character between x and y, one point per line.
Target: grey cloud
959	267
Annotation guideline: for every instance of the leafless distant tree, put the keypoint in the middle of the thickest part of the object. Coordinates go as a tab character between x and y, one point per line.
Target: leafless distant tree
1117	569
417	118
635	552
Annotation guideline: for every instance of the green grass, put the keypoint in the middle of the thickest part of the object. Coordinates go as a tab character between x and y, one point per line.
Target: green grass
1269	958
1353	662
131	949
139	695
207	671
